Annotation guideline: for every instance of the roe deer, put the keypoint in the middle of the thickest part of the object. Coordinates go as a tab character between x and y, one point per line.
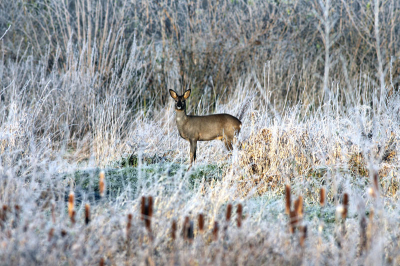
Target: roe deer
203	128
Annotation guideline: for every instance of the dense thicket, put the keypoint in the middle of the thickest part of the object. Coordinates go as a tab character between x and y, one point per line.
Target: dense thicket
84	53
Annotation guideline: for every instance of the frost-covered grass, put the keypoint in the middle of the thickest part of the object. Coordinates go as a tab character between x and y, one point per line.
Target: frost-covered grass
335	147
90	94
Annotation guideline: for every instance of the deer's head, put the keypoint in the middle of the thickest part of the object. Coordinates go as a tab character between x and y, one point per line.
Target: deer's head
180	100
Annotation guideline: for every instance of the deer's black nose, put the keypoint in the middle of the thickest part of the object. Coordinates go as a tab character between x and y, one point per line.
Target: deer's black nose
179	105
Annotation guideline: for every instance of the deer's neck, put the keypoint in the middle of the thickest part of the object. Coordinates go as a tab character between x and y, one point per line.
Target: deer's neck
180	117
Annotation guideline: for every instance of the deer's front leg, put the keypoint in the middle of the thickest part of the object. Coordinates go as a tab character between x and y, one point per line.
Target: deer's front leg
193	147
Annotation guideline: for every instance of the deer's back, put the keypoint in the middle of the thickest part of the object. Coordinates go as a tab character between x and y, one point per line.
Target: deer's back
211	127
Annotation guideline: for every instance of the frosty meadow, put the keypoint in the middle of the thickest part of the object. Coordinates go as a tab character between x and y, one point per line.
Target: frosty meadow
93	170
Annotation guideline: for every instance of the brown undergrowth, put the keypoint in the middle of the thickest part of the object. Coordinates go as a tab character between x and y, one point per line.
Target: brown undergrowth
268	153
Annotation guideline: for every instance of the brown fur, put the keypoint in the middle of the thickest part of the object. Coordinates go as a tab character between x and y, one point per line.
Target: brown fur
203	128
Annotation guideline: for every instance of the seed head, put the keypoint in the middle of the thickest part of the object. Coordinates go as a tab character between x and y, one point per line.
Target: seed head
128	225
228	212
173	230
239	213
345	205
322	194
201	222
87	213
71	199
102	184
298	206
287	196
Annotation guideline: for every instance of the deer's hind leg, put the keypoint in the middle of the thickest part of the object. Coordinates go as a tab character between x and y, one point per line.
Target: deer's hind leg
228	143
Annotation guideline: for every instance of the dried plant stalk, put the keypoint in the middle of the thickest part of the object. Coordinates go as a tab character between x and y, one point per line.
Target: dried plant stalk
363	234
129	226
53	212
143	208
17	214
370	227
298	206
190	232
303	235
150	204
215	231
51	233
73	216
293	221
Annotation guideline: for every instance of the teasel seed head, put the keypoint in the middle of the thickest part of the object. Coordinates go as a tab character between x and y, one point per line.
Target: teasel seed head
239	213
376	181
87	213
345	205
173	229
322	195
228	212
3	215
71	199
287	196
102	183
201	222
298	206
148	213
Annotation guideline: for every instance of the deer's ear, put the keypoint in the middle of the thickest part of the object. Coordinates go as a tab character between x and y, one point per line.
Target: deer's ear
187	94
173	94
